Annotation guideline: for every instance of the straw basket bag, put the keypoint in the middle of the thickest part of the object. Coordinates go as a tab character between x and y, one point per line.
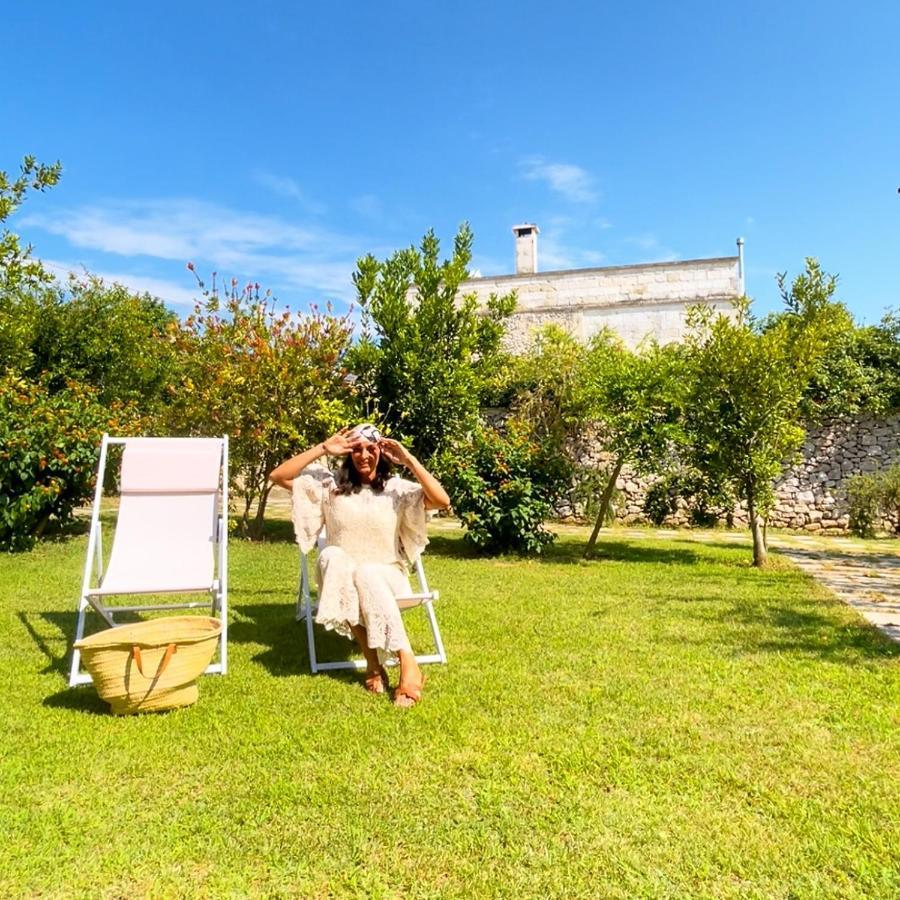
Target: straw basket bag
150	665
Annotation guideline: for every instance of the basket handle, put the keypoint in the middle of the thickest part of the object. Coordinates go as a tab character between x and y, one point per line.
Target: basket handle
136	656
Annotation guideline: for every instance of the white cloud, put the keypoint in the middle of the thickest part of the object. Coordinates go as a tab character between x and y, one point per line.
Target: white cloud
268	249
172	292
285	186
566	179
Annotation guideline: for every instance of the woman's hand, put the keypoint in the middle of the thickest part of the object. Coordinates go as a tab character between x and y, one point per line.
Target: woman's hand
340	444
395	452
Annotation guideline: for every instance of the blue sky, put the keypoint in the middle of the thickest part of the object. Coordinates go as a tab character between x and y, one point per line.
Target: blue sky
278	141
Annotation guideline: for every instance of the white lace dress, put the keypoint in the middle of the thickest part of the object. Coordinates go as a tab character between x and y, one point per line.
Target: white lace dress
371	540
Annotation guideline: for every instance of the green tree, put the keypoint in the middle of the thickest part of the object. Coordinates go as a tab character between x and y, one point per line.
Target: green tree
270	379
860	373
107	336
746	419
426	354
20	274
637	400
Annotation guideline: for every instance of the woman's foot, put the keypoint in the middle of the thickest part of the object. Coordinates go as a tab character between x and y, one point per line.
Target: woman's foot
409	693
377	681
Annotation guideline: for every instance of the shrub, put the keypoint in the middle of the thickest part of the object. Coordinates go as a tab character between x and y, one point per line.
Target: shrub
503	486
659	503
863	498
871	497
48	455
705	504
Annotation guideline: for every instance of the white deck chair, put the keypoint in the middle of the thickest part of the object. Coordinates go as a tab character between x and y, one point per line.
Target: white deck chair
424	598
171	534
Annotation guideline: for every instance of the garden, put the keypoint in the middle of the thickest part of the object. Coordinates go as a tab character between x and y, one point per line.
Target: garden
621	715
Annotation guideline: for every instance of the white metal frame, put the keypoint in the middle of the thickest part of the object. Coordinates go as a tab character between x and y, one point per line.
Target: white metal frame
424	598
94	571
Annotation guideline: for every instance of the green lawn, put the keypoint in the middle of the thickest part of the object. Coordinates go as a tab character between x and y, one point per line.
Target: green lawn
664	721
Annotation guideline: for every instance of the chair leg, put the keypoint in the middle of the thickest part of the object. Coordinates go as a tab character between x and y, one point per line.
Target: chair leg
75	676
310	637
435	631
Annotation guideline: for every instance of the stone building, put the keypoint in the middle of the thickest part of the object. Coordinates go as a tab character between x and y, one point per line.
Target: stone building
635	301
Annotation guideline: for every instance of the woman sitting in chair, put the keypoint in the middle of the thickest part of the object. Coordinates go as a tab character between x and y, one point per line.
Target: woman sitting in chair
375	527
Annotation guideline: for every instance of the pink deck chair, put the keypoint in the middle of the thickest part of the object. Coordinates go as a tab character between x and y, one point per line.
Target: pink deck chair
171	534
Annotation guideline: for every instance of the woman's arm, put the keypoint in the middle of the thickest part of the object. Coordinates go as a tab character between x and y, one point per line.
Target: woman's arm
435	495
337	445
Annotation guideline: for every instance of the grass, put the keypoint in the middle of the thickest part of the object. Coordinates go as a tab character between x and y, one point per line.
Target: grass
664	721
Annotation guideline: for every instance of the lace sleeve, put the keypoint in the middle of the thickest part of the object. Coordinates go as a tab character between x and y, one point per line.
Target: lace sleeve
413	518
308	493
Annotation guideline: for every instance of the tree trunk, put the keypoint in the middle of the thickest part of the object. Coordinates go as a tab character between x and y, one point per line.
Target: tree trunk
760	555
604	506
245	516
259	520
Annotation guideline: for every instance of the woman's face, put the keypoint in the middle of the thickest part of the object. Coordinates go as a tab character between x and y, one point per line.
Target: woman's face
365	460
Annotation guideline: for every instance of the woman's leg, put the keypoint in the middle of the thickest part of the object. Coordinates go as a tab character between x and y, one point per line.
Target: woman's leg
338	606
378	587
339	609
376	677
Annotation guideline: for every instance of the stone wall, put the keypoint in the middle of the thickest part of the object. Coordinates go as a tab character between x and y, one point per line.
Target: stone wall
634	301
811	496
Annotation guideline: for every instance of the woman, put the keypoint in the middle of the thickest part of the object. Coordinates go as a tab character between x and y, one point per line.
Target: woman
375	527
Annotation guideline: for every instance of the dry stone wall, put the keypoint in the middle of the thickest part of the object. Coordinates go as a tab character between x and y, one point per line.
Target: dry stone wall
810	497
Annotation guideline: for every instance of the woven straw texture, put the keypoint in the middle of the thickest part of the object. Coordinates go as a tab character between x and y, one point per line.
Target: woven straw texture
151	665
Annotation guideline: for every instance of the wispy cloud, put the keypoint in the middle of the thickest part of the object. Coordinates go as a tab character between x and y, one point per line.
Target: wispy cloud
288	187
368	205
568	180
653	250
172	292
298	258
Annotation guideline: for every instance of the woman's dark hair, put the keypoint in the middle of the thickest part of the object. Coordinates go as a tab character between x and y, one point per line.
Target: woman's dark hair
348	480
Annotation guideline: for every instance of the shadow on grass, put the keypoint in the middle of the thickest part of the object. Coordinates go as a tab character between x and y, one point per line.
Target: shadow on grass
284	640
65	622
82	699
572	553
816	634
560	552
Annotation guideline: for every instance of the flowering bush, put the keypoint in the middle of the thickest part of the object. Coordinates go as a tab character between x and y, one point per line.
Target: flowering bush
271	379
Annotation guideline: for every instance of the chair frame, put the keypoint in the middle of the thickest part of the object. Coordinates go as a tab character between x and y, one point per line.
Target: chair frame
424	598
94	571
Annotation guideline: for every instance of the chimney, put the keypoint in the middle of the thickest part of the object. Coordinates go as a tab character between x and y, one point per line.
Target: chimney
526	248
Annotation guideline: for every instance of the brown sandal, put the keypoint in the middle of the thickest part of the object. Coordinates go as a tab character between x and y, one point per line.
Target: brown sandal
406	696
377	681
